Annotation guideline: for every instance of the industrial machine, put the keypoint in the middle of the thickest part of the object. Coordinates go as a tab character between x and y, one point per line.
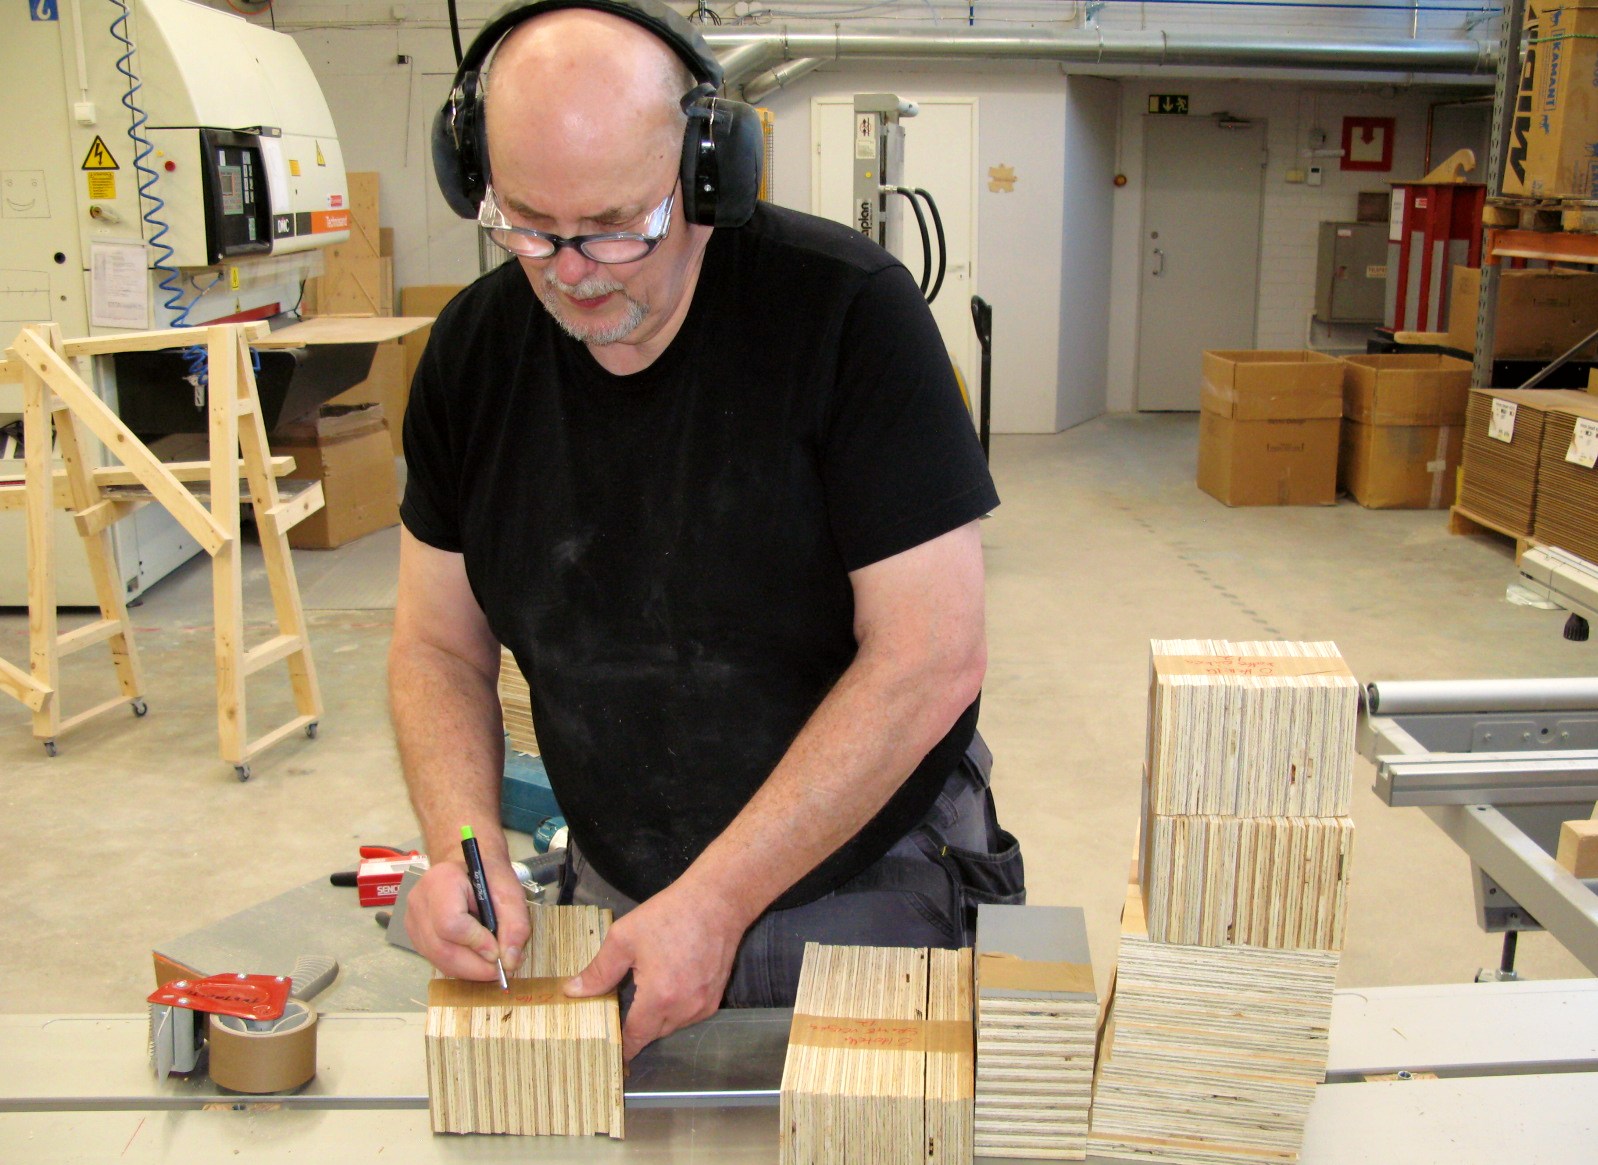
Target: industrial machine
1498	765
878	184
163	164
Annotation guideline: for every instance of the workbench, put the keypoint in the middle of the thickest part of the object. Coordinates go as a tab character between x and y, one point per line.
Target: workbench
1517	1068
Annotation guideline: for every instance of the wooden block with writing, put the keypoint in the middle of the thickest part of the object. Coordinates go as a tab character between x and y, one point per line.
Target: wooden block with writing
854	1080
529	1061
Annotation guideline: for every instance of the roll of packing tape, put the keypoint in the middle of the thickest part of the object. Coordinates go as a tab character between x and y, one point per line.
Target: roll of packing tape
249	1056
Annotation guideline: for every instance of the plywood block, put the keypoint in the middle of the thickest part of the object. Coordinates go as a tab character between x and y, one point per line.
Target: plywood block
1578	847
1210	880
1253	729
1036	1015
879	1058
1210	1055
531	1061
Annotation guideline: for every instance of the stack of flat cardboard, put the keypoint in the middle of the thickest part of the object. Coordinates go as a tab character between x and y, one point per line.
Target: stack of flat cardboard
1503	449
531	1061
869	1075
516	704
1036	1016
1567	479
1403	429
1216	1033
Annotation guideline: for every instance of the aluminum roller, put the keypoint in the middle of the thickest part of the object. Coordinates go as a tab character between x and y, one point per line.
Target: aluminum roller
1410	697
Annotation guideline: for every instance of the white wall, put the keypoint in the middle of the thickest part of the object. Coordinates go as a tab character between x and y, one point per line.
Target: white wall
1058	137
1089	207
1291	213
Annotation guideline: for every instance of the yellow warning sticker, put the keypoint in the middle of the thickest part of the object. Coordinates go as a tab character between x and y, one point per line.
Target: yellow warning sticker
320	161
233	278
102	186
99	156
294	167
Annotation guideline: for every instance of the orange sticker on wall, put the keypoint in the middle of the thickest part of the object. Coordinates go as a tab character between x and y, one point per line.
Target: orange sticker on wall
323	221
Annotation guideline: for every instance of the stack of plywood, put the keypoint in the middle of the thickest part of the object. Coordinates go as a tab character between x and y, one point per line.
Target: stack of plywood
1215	1037
879	1058
1036	1017
1567	490
516	704
529	1061
1209	1055
1503	448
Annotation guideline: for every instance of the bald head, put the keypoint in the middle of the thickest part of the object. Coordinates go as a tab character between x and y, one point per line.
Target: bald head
584	95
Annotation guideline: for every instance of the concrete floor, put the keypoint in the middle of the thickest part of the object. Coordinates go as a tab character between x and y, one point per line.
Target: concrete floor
137	833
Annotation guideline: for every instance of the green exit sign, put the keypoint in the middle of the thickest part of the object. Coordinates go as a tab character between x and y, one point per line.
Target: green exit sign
1168	103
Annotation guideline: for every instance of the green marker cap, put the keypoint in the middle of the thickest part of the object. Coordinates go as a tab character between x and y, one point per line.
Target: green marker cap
466	833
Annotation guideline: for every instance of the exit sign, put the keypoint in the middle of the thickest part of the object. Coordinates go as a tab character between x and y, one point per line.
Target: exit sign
1168	103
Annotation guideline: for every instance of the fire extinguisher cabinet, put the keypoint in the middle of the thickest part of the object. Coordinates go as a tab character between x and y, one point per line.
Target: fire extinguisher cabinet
1433	228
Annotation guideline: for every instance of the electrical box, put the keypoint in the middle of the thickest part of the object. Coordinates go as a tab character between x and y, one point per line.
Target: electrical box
1351	273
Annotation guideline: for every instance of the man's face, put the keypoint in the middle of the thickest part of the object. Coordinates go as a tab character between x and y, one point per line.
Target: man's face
604	303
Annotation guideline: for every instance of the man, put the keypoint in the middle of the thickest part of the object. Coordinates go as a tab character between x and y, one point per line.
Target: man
715	489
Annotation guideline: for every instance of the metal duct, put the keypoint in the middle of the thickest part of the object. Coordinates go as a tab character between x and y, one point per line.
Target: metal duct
756	89
746	54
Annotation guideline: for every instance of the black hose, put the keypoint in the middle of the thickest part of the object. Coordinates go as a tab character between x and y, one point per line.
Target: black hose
455	32
926	241
943	248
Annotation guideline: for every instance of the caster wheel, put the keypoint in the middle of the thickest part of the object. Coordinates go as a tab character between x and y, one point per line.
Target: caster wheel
310	730
140	708
242	772
49	748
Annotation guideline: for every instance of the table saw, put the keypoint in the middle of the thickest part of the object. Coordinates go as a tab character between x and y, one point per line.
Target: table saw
1515	1066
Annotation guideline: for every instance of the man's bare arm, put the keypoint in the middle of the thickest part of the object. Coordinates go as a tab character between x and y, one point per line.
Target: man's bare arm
922	655
443	666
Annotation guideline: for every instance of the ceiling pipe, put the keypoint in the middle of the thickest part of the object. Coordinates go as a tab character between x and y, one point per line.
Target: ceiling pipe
757	89
748	54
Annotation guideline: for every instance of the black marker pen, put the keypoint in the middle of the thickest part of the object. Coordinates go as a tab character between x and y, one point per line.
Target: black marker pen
485	905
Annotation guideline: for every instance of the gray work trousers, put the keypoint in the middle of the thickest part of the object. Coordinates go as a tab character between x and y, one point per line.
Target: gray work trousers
913	896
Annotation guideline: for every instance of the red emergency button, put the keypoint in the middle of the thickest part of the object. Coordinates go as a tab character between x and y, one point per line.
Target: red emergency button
171	166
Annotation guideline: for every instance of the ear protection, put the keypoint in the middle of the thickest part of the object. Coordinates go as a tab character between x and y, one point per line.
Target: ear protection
722	145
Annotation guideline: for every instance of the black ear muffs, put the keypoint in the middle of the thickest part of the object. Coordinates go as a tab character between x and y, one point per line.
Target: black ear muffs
722	147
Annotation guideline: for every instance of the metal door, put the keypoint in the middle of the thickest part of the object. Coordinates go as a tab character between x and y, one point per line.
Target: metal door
940	157
1203	182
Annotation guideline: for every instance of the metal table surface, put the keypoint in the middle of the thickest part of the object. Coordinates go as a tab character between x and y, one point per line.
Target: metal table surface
1518	1065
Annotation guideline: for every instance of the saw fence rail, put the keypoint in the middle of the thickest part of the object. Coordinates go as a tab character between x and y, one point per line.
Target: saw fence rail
61	409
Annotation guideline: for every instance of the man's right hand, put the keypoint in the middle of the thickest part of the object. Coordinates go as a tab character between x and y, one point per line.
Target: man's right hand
440	918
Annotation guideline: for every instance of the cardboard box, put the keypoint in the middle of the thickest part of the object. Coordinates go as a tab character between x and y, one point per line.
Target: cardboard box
1268	427
1553	147
1541	314
348	451
384	385
1400	467
1405	389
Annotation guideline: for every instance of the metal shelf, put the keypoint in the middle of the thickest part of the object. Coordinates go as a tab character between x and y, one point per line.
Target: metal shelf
1554	246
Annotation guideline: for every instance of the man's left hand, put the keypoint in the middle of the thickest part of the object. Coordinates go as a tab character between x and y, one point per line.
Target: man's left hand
680	947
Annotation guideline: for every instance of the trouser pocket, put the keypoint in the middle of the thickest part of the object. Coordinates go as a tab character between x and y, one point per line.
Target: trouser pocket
996	876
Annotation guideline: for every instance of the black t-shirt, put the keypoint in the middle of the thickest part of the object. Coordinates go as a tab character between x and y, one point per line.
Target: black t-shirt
667	553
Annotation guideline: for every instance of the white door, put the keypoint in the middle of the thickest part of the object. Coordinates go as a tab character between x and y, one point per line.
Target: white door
940	158
1199	260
